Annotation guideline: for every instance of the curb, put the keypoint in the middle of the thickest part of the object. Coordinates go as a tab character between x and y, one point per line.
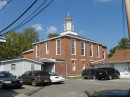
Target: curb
21	95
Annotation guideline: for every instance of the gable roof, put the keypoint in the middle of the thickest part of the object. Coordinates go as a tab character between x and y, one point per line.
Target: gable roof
119	56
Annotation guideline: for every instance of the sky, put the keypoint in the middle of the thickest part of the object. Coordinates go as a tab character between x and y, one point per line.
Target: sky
98	20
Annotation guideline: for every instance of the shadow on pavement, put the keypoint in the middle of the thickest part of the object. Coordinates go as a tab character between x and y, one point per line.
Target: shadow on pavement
108	93
9	92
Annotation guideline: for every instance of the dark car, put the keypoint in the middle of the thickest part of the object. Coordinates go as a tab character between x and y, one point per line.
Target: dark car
36	77
89	73
107	73
9	80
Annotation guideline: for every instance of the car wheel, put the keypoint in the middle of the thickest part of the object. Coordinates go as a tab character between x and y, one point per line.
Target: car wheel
34	83
110	77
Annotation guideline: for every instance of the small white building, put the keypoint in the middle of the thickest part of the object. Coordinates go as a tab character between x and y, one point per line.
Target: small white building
2	39
19	66
120	61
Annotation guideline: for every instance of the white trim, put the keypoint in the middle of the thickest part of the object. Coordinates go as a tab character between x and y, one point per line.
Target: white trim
37	56
74	46
83	59
97	51
57	47
84	39
83	48
2	39
28	51
73	59
47	47
18	60
91	48
104	54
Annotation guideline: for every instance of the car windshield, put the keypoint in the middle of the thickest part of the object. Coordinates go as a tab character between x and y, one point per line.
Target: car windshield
6	75
52	74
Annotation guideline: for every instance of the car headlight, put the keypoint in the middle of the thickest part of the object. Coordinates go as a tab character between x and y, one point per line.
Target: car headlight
7	82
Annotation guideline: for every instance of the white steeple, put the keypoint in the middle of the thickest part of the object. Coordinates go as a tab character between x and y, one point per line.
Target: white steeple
69	26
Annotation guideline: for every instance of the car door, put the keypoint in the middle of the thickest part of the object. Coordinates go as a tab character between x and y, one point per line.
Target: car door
25	77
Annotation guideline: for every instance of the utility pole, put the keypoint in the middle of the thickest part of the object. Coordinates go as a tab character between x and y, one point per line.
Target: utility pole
127	7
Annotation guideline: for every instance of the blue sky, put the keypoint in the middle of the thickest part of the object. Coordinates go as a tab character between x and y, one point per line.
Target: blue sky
99	20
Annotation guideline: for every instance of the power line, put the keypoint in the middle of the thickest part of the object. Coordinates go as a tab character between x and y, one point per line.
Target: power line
19	16
31	17
13	29
6	5
123	18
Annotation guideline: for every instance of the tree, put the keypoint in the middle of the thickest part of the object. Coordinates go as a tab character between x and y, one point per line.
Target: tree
16	43
123	44
51	35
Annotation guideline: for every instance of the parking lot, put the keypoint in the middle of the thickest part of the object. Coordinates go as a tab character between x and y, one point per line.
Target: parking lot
71	88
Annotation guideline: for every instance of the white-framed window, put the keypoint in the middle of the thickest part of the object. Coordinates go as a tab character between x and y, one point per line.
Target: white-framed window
83	48
13	66
37	50
73	46
83	67
47	47
103	54
91	49
73	66
97	51
32	67
58	47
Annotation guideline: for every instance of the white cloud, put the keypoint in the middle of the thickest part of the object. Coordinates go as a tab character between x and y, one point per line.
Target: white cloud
2	3
103	0
51	29
37	27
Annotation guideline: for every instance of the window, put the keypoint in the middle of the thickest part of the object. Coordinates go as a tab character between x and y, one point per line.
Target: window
97	51
73	46
73	66
13	66
83	66
83	48
32	67
103	54
58	47
91	49
47	48
37	50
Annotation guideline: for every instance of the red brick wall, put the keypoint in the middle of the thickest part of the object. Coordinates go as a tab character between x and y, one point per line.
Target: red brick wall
66	55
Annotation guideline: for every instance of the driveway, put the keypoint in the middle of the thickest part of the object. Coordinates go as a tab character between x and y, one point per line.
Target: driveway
71	88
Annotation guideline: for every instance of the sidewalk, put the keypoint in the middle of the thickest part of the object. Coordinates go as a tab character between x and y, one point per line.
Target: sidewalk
21	95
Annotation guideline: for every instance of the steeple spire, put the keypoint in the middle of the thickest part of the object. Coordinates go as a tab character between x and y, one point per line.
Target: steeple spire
68	24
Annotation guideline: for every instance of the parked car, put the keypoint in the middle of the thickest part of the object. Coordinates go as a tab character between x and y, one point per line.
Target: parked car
107	73
36	77
55	78
9	80
89	73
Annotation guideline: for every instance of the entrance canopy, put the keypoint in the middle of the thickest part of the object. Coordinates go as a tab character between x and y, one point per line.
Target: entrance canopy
43	60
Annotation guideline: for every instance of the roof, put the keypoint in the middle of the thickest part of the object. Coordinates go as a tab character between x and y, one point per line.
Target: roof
119	56
72	36
19	60
28	51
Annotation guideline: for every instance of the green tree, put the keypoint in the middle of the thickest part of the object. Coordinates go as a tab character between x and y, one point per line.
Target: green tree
16	43
123	44
51	35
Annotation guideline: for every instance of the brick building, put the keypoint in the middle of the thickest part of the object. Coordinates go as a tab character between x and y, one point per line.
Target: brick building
67	53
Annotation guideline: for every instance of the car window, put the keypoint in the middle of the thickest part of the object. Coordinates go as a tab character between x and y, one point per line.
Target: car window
26	73
5	75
